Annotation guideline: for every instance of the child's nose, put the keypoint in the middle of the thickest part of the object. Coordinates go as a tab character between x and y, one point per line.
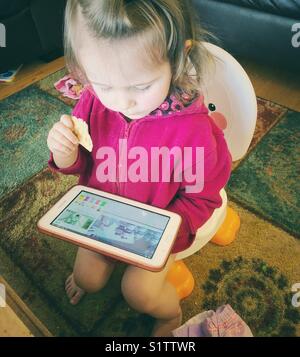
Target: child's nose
125	103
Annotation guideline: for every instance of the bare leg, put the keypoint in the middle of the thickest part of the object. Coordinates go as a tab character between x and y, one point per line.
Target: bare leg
90	274
166	323
150	293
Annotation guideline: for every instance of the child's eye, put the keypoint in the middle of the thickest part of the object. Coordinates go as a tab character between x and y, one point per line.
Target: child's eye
142	89
105	89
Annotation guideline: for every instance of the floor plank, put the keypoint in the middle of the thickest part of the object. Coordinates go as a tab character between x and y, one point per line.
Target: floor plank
16	319
11	325
30	74
282	87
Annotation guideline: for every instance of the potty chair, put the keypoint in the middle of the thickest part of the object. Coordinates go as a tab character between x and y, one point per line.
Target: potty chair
231	100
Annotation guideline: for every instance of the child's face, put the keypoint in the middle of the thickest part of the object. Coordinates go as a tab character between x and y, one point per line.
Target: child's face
120	78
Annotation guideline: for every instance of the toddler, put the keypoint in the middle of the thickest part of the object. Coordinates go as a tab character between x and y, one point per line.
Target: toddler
135	60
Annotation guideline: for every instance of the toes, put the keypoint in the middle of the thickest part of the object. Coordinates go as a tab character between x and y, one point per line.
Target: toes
69	280
75	299
70	291
73	291
67	286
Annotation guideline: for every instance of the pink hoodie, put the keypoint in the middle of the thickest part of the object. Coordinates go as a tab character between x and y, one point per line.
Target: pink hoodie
190	127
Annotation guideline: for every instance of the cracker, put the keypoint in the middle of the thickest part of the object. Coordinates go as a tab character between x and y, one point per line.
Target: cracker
81	130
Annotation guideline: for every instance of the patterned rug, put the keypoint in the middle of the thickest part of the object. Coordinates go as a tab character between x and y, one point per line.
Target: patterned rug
254	274
267	182
25	120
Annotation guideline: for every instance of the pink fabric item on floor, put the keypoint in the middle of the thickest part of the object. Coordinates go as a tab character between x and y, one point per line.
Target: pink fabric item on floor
69	87
225	322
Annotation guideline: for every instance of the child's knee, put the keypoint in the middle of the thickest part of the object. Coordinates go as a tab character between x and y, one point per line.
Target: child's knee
90	282
139	296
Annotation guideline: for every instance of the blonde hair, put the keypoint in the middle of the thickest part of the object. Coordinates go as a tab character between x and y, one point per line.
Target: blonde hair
162	28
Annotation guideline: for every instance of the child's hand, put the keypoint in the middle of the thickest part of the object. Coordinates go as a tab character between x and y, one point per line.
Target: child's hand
61	139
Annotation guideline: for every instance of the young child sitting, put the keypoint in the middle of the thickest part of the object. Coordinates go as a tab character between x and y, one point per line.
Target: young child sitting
135	60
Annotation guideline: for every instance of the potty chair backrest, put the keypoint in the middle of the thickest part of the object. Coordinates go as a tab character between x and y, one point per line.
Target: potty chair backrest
231	100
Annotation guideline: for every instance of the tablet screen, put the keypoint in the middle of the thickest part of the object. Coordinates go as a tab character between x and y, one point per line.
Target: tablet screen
115	223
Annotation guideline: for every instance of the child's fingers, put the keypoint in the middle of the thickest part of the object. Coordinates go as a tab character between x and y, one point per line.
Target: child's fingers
59	147
67	121
65	131
62	138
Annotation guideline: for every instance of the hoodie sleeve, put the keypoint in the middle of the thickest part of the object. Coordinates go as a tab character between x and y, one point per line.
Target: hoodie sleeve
195	208
81	110
78	168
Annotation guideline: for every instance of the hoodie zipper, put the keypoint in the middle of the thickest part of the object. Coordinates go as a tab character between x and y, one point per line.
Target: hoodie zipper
125	136
129	125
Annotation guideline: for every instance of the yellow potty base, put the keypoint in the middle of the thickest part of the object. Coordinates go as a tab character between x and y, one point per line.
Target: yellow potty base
227	232
181	278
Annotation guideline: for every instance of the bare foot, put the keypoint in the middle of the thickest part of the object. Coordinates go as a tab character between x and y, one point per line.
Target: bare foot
74	292
164	328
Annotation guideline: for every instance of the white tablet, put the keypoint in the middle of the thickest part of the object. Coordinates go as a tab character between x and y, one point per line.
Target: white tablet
118	227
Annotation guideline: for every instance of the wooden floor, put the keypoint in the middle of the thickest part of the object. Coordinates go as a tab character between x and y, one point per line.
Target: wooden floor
282	87
30	74
11	325
16	319
278	86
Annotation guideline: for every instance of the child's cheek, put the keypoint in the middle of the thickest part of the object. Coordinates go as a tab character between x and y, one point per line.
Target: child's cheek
104	99
151	100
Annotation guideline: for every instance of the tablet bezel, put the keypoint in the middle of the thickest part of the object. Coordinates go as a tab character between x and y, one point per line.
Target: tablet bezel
161	254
